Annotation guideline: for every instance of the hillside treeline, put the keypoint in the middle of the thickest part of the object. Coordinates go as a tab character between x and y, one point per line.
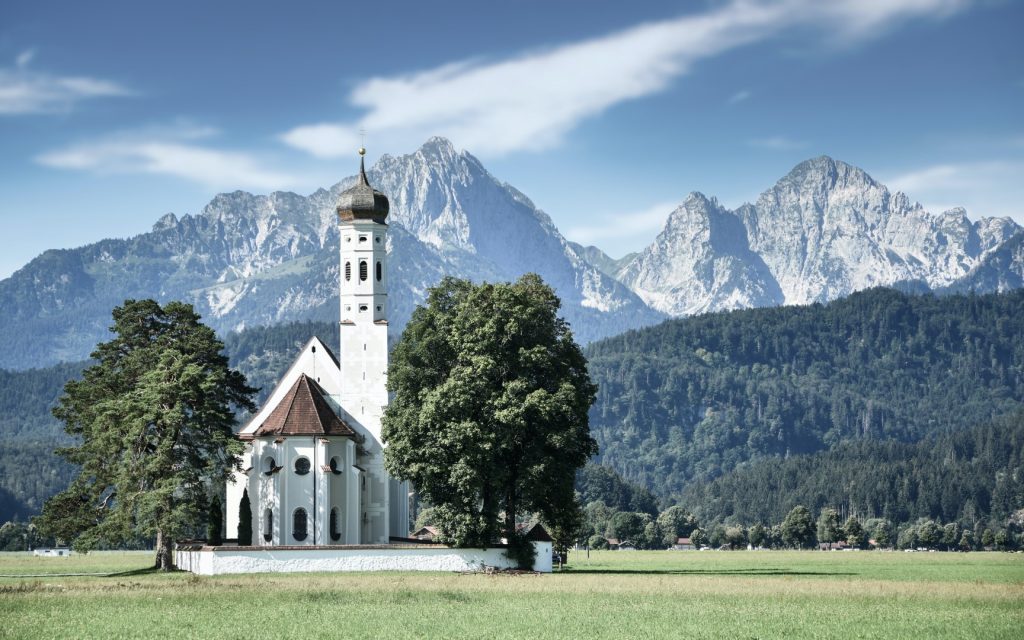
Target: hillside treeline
964	476
693	399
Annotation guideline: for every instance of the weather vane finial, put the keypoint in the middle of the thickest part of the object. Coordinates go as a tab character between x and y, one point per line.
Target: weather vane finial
362	142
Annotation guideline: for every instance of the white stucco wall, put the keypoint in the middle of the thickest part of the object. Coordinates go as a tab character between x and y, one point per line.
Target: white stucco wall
210	561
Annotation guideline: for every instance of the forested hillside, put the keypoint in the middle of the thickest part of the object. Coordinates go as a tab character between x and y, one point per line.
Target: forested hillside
692	399
961	476
799	401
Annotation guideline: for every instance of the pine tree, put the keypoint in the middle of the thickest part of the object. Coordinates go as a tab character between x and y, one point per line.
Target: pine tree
154	420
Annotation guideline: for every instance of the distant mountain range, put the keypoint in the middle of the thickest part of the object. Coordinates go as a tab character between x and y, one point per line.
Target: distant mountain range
825	230
821	232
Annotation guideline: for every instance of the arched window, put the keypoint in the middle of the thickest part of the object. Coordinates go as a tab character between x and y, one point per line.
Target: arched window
348	271
380	271
299	522
336	465
268	524
268	465
335	525
362	270
302	466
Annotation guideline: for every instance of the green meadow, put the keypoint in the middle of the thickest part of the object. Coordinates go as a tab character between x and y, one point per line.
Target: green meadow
653	594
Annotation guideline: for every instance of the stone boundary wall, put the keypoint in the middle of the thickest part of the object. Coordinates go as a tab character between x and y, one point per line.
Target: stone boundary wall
210	561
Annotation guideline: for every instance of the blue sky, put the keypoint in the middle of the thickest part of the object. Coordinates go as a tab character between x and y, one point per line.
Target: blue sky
605	113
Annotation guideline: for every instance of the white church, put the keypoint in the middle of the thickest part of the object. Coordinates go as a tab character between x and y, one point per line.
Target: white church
313	464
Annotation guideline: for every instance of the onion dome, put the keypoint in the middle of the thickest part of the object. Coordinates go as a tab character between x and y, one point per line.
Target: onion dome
362	202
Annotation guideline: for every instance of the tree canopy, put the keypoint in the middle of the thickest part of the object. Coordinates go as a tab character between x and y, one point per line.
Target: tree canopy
153	419
489	414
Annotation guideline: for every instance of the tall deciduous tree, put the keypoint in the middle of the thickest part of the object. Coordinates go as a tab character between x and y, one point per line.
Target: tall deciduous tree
828	526
154	420
675	523
798	528
490	405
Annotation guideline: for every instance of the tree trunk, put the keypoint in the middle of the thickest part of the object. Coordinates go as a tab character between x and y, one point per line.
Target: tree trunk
510	516
164	561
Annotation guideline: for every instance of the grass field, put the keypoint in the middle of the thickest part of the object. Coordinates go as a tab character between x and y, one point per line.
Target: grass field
617	595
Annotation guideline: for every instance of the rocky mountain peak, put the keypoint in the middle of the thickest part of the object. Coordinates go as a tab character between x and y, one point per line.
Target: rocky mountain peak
166	221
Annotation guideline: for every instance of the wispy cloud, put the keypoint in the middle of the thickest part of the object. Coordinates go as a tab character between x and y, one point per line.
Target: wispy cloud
739	97
23	90
174	150
636	229
531	101
990	188
777	143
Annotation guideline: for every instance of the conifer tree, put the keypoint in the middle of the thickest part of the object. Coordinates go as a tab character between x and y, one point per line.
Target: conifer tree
154	420
244	520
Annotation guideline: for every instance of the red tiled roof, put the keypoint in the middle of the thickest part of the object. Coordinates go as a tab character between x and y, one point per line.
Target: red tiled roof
304	412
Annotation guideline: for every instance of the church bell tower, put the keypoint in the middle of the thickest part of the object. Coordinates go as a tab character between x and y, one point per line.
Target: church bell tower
362	219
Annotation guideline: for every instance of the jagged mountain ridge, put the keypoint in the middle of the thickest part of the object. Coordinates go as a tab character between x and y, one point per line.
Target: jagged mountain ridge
823	231
250	260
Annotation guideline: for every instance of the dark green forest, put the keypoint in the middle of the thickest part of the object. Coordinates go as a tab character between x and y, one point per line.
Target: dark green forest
967	476
882	404
691	400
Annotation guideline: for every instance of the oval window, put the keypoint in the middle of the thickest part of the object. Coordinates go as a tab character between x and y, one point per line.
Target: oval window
302	466
380	272
299	525
268	524
348	271
362	269
335	525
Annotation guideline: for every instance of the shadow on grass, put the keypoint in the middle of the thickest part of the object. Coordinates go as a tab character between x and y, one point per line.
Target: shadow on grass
85	574
135	572
708	572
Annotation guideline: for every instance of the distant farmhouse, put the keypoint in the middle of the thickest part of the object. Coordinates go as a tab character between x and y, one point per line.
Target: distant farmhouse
59	552
313	465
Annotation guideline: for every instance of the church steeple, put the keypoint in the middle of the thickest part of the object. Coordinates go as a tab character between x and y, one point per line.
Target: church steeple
362	226
361	201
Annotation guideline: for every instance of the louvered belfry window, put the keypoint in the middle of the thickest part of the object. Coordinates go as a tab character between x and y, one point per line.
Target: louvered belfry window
348	271
362	270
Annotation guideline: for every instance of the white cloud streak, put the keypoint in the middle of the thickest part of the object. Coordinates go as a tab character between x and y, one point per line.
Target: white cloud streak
531	101
985	189
777	143
739	97
173	151
635	229
25	91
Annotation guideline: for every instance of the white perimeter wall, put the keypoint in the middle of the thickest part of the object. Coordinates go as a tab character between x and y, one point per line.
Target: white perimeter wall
211	561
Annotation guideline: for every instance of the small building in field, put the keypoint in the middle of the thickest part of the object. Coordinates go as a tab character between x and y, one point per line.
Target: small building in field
57	552
833	546
683	544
